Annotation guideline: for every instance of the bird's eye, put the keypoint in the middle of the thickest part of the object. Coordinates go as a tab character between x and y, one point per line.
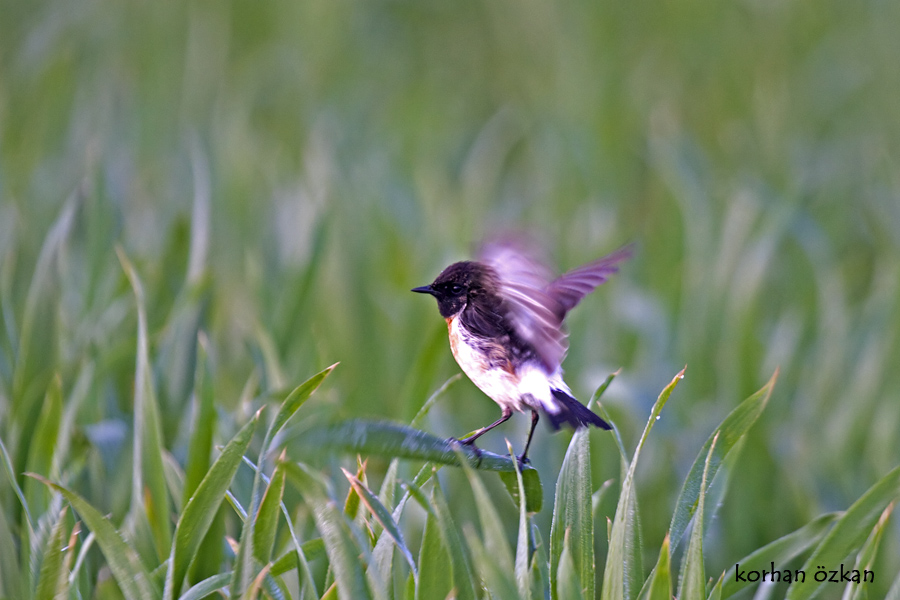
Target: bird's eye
456	289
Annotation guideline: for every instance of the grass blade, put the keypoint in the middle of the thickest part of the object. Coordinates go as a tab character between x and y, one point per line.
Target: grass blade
531	487
460	561
149	492
866	557
243	562
252	591
302	553
10	573
267	517
343	553
496	578
573	516
312	550
659	585
729	433
14	484
382	564
391	440
204	426
206	587
292	404
693	576
201	509
389	485
42	446
620	576
382	515
716	592
124	563
434	579
36	302
432	400
848	533
523	571
569	582
495	543
540	566
53	573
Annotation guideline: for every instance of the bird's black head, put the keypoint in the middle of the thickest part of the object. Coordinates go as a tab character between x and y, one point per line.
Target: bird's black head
457	285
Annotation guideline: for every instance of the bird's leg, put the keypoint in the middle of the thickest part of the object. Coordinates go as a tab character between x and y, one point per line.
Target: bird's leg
507	413
523	458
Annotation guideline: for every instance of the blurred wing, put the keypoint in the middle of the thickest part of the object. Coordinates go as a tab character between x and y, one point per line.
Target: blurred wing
571	287
534	313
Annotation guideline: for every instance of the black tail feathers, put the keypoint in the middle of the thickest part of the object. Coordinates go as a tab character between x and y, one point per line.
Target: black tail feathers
574	413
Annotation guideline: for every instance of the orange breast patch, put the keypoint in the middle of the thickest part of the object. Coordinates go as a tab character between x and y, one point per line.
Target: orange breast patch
454	339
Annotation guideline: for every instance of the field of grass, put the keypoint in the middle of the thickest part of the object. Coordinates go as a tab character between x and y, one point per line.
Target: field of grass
203	205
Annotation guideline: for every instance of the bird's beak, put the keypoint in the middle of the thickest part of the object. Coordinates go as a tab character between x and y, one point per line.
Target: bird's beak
425	289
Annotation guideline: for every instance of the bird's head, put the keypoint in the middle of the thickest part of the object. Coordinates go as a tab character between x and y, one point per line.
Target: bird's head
457	285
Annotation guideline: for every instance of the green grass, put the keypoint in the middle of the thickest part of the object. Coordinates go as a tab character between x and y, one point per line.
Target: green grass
203	205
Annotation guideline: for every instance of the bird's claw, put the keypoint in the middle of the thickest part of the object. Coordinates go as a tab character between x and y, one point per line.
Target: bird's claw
523	460
470	443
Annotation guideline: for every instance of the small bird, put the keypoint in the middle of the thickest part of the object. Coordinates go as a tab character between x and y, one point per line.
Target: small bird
505	316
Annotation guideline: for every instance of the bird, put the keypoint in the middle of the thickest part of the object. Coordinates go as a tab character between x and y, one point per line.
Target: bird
504	315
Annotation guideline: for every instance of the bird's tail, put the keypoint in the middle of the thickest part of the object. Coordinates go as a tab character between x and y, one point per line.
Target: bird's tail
571	411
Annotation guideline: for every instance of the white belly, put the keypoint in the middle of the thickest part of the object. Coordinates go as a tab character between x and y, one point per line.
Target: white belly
518	389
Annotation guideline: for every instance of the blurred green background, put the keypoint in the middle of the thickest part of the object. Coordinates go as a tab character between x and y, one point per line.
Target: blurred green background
302	165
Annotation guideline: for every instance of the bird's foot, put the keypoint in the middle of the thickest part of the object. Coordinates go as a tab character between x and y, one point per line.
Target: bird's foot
467	442
523	460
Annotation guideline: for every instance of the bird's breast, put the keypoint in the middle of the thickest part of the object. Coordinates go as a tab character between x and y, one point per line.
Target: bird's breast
487	363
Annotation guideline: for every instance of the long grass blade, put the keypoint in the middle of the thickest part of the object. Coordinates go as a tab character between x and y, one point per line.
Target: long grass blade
208	586
10	574
268	515
343	553
523	570
204	426
243	565
497	579
149	493
659	586
434	579
391	440
620	574
313	549
568	581
495	543
729	433
302	554
693	575
124	563
464	580
42	448
382	515
53	575
573	515
35	300
859	590
243	562
293	402
531	487
201	509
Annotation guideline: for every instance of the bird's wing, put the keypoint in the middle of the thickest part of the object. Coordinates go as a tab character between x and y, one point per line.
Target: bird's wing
533	311
568	289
